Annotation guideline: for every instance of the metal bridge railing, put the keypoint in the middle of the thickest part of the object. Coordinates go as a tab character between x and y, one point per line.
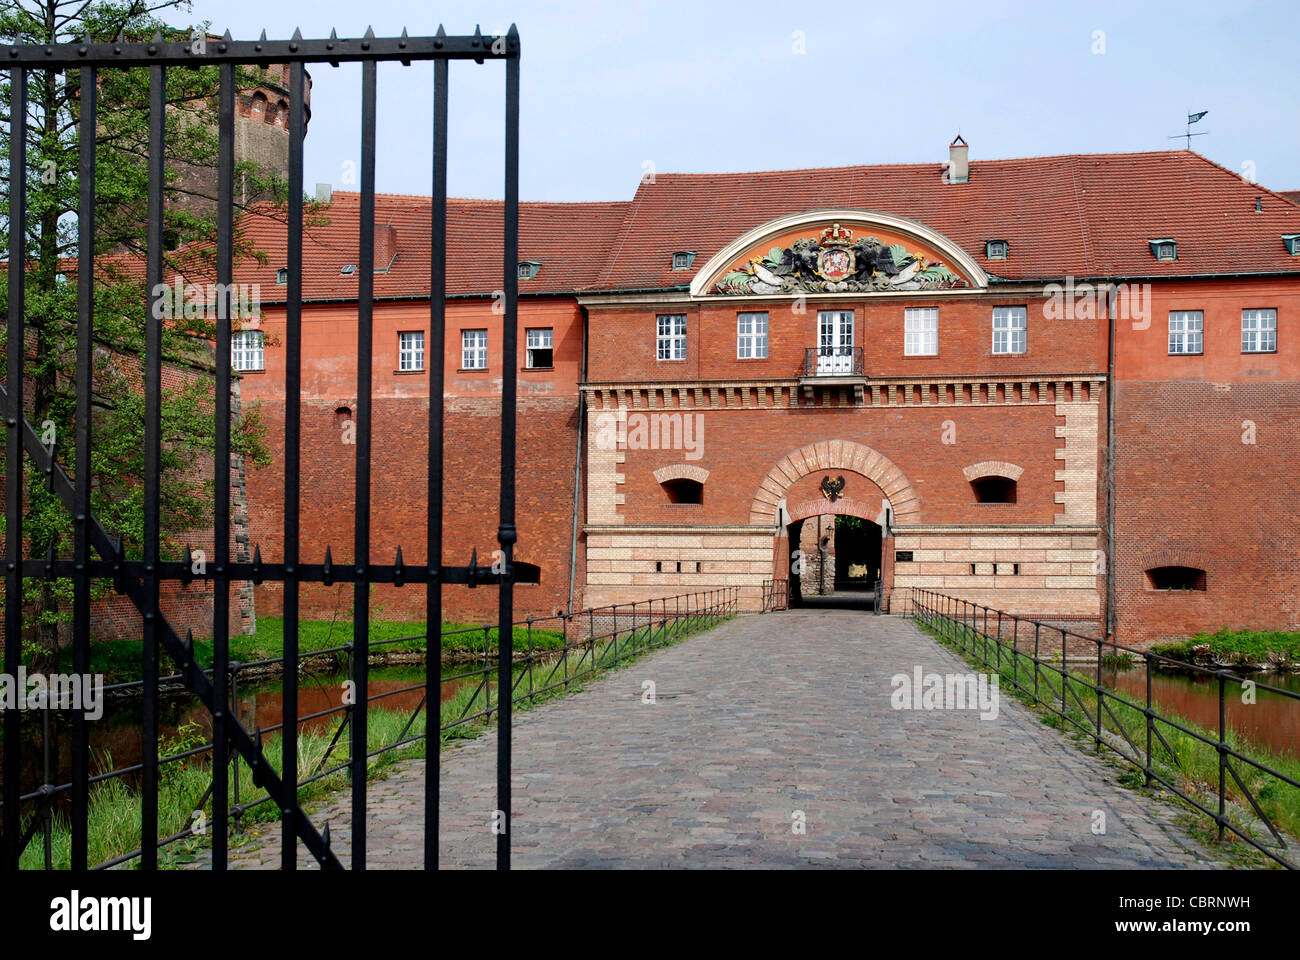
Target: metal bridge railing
776	595
1112	720
595	639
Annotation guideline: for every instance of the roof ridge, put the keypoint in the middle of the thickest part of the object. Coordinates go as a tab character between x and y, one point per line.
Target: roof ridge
858	167
1253	183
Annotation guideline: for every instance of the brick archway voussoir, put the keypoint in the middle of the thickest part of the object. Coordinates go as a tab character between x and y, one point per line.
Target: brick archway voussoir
835	455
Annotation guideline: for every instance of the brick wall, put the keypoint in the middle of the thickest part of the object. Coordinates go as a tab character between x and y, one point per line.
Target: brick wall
1190	492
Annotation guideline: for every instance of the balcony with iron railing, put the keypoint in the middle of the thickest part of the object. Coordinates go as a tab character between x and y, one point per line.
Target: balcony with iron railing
828	366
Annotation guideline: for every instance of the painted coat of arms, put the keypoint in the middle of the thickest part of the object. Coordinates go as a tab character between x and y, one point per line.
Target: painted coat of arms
835	263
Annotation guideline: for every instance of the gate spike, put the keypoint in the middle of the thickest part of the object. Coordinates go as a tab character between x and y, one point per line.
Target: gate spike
327	571
297	34
333	34
473	568
401	45
325	835
157	35
262	38
226	36
49	561
478	37
257	563
189	656
188	573
398	574
370	33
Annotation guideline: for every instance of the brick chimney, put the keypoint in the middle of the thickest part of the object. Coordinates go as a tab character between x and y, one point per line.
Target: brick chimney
385	245
958	163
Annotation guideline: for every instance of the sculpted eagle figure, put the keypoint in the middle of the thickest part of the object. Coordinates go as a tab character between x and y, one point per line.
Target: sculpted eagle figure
832	489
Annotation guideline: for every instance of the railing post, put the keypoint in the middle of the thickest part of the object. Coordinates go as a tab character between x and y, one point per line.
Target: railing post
1015	652
1064	675
1036	626
1099	696
532	698
1223	746
1150	722
234	705
997	648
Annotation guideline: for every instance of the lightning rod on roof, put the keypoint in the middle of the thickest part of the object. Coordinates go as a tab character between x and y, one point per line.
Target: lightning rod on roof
1191	119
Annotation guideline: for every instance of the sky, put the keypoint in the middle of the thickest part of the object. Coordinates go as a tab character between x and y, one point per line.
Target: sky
609	88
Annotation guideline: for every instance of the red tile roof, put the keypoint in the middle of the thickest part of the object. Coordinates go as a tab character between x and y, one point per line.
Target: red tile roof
1088	215
1292	195
1082	215
570	239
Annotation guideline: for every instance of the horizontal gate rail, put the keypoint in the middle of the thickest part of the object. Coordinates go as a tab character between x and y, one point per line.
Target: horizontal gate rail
967	625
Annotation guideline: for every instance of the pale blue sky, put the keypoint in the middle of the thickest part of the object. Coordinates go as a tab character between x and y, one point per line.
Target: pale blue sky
704	87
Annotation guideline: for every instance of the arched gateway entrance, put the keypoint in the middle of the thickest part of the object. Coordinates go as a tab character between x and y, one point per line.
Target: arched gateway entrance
834	506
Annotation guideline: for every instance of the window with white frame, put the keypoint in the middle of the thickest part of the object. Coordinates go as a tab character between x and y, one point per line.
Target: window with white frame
247	351
1258	331
1009	326
921	331
1186	331
473	349
539	345
751	336
670	340
410	350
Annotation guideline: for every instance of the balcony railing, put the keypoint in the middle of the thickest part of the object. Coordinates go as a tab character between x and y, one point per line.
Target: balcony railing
833	362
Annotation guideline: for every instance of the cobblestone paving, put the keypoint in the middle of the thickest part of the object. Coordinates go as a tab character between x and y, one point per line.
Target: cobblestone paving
762	717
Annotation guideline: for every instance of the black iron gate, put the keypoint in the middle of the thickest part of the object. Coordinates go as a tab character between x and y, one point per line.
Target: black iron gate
140	580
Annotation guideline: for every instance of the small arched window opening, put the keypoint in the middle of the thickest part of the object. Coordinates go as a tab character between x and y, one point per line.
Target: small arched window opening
1176	578
683	490
994	489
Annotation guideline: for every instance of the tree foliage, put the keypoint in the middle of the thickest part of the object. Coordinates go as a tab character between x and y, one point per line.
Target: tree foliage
120	296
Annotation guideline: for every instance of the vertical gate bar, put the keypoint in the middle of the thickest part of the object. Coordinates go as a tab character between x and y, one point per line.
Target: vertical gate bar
436	351
89	94
292	471
361	541
152	470
506	533
221	507
14	450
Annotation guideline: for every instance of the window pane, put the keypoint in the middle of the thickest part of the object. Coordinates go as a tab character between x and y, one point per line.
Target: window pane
1009	334
921	331
671	337
473	349
751	335
246	350
1185	331
1259	331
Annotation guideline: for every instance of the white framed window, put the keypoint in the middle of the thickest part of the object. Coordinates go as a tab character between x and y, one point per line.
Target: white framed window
751	336
473	349
410	350
921	331
247	350
1009	329
670	339
1258	331
539	346
1186	331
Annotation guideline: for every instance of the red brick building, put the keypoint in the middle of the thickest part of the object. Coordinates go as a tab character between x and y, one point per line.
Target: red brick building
954	354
